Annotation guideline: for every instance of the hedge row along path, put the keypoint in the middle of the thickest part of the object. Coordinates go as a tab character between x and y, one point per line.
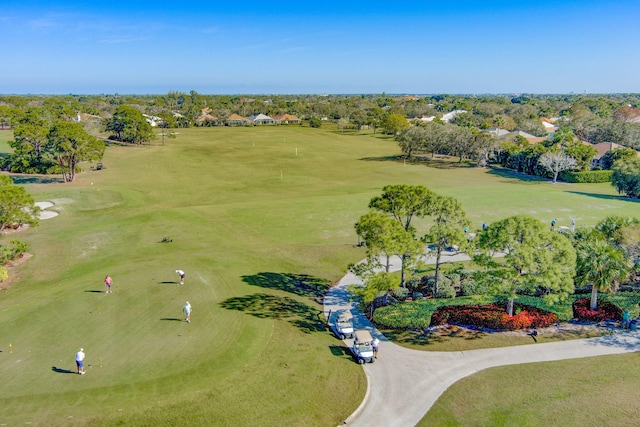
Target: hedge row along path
403	384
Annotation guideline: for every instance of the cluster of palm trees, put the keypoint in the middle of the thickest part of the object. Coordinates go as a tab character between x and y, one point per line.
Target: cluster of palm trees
607	255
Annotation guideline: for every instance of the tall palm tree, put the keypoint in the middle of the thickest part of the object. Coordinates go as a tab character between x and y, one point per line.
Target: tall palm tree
601	265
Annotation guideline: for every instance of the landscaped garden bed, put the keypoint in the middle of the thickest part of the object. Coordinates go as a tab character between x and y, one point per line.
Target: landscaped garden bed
493	316
604	311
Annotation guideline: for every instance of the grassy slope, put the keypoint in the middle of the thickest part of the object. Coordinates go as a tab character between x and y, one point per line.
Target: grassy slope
246	213
596	391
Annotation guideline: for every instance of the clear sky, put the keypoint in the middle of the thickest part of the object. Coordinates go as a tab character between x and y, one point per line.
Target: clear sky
350	46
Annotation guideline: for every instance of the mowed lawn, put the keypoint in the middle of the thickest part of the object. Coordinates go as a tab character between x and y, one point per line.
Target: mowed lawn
261	221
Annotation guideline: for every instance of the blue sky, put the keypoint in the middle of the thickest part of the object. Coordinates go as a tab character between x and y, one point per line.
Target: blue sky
251	47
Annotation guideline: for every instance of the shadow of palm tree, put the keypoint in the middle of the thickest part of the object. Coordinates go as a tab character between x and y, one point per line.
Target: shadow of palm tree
62	371
266	306
298	284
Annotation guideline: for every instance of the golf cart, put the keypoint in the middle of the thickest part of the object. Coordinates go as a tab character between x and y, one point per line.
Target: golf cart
362	349
343	326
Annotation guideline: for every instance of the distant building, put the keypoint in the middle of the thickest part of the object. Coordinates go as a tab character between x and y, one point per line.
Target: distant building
237	120
287	119
261	119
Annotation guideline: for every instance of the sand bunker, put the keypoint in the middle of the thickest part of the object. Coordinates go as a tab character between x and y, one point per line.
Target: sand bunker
44	213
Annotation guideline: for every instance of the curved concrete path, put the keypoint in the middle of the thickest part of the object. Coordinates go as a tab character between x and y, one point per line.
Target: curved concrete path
403	384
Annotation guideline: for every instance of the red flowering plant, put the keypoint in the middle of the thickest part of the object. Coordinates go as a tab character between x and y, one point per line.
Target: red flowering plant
604	311
493	316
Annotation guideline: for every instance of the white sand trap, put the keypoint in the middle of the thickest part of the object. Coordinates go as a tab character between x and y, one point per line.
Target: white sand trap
44	213
43	205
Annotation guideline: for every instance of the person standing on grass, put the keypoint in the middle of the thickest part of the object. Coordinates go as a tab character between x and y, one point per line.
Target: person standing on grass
80	361
187	311
181	274
107	284
375	344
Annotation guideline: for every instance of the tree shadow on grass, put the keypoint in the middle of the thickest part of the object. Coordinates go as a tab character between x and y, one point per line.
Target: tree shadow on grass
514	176
35	179
605	196
437	162
298	284
63	371
266	306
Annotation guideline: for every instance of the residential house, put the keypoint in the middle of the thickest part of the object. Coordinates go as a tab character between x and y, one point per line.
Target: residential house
452	115
207	120
261	119
237	120
549	125
603	148
287	119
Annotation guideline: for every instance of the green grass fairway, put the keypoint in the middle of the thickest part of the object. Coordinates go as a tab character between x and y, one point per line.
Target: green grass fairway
262	222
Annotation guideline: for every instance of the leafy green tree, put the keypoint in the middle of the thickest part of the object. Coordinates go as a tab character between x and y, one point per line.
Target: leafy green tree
411	141
449	222
374	285
17	207
30	137
535	258
582	153
70	144
403	202
394	123
129	125
626	176
315	122
610	157
601	265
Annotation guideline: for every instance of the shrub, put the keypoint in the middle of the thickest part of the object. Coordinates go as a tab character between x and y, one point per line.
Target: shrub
401	293
417	295
4	274
587	177
493	316
446	290
469	286
604	311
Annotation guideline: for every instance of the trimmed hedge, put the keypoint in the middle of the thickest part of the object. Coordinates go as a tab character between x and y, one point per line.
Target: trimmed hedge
587	177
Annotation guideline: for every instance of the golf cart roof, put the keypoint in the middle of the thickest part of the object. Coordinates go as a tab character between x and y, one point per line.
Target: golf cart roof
363	336
345	316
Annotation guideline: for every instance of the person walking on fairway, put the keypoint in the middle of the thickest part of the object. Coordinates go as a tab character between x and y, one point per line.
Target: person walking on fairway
181	274
80	361
107	284
187	311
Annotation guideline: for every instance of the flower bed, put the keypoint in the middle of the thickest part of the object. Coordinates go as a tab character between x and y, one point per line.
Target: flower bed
605	310
493	316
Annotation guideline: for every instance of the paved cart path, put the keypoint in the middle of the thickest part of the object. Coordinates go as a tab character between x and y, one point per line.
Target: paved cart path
403	384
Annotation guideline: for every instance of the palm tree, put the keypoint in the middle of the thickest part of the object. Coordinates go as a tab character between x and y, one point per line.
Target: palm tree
601	265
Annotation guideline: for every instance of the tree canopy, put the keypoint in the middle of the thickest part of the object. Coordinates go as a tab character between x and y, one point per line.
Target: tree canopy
535	258
70	144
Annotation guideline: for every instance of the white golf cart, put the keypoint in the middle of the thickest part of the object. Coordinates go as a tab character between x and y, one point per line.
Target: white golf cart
362	349
343	325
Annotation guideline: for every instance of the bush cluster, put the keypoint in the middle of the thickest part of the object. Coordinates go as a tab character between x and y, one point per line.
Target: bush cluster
493	316
604	311
587	176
